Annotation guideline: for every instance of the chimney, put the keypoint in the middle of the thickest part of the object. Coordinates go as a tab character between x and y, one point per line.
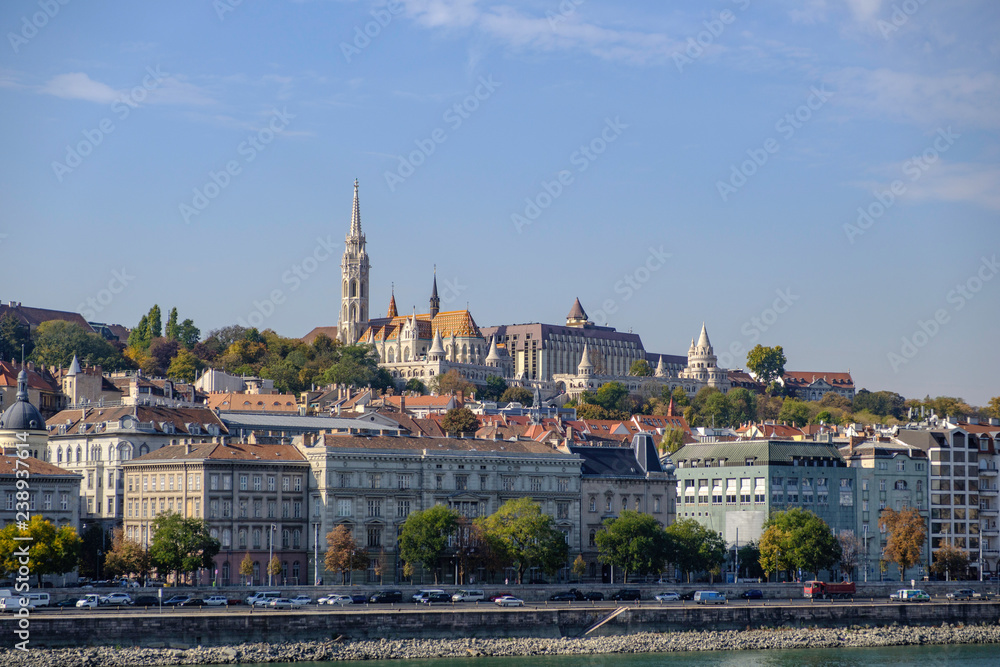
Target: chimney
402	403
187	447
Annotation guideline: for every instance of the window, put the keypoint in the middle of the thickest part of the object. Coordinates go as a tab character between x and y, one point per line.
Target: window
213	508
607	504
243	482
656	504
272	509
286	507
227	538
213	482
47	501
286	538
439	482
297	509
298	483
144	509
344	507
374	480
593	503
900	466
562	485
345	480
730	492
227	509
881	485
64	502
864	485
256	482
284	482
374	538
197	506
402	509
296	541
227	483
145	483
271	483
405	481
258	506
256	538
374	507
562	510
593	538
461	482
745	491
483	482
535	483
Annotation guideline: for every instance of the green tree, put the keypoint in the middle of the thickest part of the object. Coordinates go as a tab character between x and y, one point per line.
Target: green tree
804	540
50	550
246	567
451	382
767	363
424	537
358	366
680	397
742	404
460	420
126	557
749	561
673	440
517	395
906	532
993	408
715	411
640	368
181	544
13	334
139	338
579	567
414	384
185	366
695	548
614	396
155	322
529	537
57	341
343	553
495	388
882	403
633	542
188	334
794	412
171	331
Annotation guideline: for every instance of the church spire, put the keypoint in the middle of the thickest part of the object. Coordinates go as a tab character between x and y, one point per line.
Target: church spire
435	300
356	213
392	303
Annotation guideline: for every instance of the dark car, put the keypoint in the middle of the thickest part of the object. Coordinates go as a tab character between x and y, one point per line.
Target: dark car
359	599
593	596
627	595
68	602
752	594
175	600
386	597
568	596
192	602
147	601
437	598
688	596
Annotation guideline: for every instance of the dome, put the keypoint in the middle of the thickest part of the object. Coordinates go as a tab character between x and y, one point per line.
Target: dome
22	415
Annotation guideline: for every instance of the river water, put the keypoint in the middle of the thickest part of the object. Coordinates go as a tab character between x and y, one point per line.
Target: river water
975	655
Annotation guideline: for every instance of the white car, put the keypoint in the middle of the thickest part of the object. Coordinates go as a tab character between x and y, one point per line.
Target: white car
284	603
340	600
509	601
116	598
90	600
217	601
302	599
668	597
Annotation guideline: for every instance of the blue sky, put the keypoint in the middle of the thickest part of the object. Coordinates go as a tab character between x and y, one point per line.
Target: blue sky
667	162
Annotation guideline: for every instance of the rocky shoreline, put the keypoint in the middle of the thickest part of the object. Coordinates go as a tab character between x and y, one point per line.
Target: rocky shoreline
387	649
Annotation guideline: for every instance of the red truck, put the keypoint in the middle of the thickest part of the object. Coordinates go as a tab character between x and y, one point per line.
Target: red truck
820	590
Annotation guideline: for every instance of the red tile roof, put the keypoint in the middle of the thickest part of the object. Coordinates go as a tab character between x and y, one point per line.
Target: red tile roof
8	466
804	378
239	402
216	451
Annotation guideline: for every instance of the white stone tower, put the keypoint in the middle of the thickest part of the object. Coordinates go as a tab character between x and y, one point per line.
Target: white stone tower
354	281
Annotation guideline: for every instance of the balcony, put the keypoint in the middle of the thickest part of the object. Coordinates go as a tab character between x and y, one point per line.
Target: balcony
988	472
988	491
988	511
989	532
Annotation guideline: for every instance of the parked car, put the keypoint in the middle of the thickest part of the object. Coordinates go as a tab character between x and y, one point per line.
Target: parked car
386	597
596	596
146	601
302	599
91	600
283	603
497	596
40	599
509	601
13	603
192	602
688	595
563	597
437	598
668	597
67	602
752	594
468	595
176	600
117	599
217	601
359	599
627	595
261	598
709	597
340	600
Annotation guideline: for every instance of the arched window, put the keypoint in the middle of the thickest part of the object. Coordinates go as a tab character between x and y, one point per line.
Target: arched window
227	538
345	288
354	288
225	573
285	538
256	571
392	356
295	571
59	454
354	312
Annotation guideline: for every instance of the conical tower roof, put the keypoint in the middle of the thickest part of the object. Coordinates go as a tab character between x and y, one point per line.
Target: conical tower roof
74	366
703	338
437	347
356	213
585	361
392	304
494	355
577	312
661	368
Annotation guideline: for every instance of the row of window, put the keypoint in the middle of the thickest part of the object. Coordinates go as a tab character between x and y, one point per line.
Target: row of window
246	538
149	507
31	498
609	501
462	482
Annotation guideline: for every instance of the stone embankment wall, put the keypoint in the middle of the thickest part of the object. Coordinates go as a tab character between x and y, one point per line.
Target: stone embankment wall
153	628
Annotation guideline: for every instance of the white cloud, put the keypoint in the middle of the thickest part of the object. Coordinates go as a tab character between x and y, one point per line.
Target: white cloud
864	10
79	86
543	32
961	182
968	99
